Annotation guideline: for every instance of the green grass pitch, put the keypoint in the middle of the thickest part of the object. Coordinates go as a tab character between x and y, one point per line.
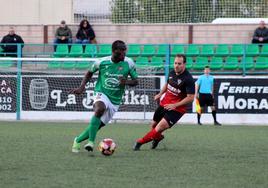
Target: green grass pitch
38	154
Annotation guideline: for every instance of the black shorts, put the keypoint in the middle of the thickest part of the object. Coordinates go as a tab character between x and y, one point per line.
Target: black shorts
170	116
206	100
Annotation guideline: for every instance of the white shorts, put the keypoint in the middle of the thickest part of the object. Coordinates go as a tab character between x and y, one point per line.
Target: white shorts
110	107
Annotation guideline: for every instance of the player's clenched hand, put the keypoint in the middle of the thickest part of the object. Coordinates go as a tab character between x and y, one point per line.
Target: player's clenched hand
170	106
157	97
77	91
122	81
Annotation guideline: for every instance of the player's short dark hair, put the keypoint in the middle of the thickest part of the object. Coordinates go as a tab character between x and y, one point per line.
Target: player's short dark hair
118	45
207	67
183	56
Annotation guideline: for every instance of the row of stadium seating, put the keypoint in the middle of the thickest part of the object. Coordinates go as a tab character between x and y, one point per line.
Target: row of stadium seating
228	63
148	50
68	65
221	57
198	63
216	63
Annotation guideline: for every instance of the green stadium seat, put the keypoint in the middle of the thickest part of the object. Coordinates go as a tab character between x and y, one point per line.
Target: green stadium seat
148	50
54	65
192	50
171	62
68	65
261	63
231	63
189	62
76	50
237	50
141	59
264	50
83	65
252	50
62	50
134	50
207	50
161	50
90	50
216	63
200	63
249	63
157	62
222	50
177	49
7	64
104	50
142	62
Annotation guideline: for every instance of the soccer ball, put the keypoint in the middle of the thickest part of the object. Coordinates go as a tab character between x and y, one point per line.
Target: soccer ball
107	146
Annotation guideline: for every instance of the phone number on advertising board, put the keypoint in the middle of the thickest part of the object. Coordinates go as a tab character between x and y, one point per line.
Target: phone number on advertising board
5	103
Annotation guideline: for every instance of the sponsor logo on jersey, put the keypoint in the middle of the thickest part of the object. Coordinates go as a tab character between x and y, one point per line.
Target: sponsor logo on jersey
173	90
111	82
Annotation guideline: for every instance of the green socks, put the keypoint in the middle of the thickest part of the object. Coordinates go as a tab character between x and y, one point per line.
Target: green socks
93	128
91	131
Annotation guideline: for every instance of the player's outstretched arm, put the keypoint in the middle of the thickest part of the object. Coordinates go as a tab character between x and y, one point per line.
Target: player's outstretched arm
186	100
81	88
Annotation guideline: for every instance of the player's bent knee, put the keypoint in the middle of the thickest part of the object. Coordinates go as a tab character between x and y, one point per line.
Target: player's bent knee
99	108
99	112
162	125
153	124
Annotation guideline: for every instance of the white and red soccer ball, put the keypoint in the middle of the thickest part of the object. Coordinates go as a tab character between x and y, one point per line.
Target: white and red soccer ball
107	146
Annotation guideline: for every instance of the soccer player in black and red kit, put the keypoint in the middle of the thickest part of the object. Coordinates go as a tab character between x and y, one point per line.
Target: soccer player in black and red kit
174	97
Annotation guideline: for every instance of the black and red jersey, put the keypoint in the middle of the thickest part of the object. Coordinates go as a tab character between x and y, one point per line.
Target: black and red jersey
178	86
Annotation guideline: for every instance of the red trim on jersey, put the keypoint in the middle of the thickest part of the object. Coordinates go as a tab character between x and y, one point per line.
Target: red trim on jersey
172	96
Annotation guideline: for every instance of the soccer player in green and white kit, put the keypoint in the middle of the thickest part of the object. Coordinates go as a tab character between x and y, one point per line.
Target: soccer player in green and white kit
109	89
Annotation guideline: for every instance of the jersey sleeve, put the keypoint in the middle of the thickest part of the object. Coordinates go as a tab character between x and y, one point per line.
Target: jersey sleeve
94	67
198	81
169	76
190	85
132	69
212	80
